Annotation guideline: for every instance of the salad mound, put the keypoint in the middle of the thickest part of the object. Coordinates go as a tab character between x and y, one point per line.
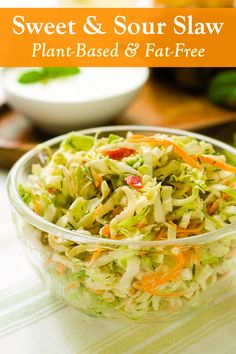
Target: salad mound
137	188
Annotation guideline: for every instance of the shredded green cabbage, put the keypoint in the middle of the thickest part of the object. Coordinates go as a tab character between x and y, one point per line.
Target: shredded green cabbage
141	189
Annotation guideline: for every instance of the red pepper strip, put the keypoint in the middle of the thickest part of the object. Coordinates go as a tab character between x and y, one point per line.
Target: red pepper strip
119	153
134	181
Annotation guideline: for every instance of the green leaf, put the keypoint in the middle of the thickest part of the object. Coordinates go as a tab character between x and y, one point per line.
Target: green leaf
30	77
52	73
45	74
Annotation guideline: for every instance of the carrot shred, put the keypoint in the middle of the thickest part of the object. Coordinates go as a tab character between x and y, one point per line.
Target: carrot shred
52	190
97	179
141	225
151	281
221	165
99	292
116	211
212	208
162	235
225	196
97	211
187	258
181	232
177	149
95	255
231	253
196	255
37	207
61	269
71	286
48	261
119	237
105	231
191	255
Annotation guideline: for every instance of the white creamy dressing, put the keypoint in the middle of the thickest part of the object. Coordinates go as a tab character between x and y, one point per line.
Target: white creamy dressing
89	84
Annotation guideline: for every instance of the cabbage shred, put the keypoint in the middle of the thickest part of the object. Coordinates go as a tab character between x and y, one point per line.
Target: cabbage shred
135	188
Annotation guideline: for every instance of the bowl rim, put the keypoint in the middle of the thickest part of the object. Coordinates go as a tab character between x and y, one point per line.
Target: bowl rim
142	80
78	237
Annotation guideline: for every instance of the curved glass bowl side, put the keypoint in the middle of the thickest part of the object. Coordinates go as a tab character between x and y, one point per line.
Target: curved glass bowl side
105	280
118	279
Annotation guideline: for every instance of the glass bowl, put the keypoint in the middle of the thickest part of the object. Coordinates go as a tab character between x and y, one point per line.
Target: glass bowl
102	290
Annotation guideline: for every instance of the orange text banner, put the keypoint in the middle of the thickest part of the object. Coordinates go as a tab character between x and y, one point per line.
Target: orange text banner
118	37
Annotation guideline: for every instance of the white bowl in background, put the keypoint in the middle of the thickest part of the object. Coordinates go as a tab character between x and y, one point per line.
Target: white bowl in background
93	97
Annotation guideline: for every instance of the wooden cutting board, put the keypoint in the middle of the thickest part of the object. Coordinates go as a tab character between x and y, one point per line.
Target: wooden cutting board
157	104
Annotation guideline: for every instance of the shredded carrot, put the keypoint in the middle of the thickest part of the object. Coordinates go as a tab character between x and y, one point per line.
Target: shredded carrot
181	232
229	183
71	286
97	179
116	211
97	211
37	207
196	255
119	237
99	292
172	223
225	196
61	269
162	235
48	261
95	255
139	137
141	225
187	258
191	255
231	253
52	190
151	281
177	149
211	161
212	208
105	230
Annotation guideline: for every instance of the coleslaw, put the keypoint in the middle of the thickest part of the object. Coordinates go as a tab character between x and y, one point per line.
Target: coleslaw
136	188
